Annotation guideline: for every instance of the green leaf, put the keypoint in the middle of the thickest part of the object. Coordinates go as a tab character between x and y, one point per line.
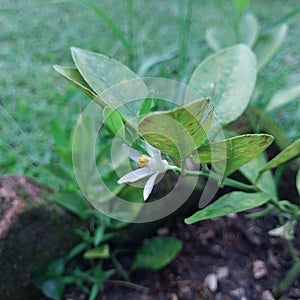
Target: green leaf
120	84
267	44
59	134
98	252
72	201
229	203
114	121
283	97
228	77
240	5
76	250
266	182
65	154
56	267
99	234
146	106
291	152
73	75
156	253
60	172
248	29
94	291
54	288
177	132
229	155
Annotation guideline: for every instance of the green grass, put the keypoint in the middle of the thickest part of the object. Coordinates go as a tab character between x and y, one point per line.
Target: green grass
34	37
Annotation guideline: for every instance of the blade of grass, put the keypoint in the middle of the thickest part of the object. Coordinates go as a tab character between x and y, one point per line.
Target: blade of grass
280	21
184	31
115	29
35	5
131	54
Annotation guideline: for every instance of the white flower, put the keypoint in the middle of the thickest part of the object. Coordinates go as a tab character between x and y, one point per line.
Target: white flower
150	166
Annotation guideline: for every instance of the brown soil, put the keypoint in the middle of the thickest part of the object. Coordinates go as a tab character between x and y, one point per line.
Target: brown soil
234	242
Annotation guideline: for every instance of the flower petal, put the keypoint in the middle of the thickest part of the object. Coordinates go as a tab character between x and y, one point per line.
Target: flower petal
132	153
149	185
151	150
135	175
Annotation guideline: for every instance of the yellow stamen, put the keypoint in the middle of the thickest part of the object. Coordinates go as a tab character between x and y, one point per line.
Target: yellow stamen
143	161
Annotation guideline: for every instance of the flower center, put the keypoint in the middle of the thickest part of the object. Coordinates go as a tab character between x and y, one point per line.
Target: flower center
143	160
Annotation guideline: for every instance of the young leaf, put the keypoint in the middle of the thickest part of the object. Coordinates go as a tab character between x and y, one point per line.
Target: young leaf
283	97
228	77
114	121
284	156
99	252
73	75
156	253
232	153
267	44
177	132
229	203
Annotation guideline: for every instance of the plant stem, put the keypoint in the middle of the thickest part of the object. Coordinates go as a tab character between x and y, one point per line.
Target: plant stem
119	267
227	181
288	280
293	252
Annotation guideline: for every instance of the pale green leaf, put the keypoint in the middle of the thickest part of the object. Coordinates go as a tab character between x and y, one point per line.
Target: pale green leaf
99	71
265	182
248	29
229	155
73	75
283	97
268	44
98	252
229	203
156	253
177	132
291	152
115	84
228	77
218	38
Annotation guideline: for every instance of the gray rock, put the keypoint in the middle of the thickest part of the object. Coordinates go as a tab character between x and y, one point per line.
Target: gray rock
33	231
